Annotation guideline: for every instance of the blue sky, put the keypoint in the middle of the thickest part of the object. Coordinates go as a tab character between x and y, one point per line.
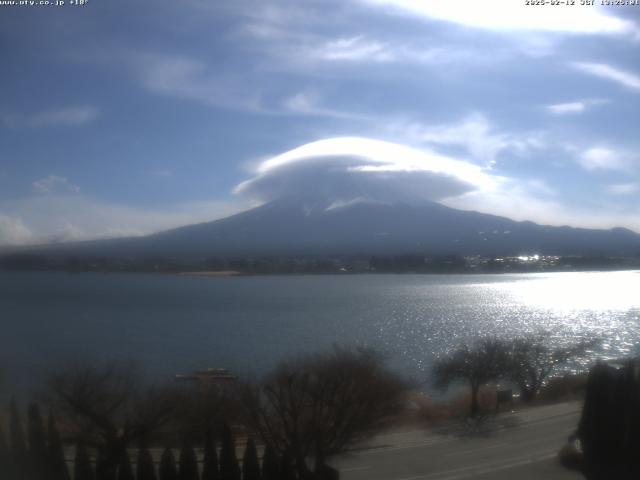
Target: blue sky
123	118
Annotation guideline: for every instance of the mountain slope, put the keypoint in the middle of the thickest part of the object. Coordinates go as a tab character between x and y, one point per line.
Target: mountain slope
299	227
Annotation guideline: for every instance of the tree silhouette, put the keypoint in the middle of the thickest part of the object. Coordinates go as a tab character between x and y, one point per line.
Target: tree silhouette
58	469
610	422
485	362
250	464
5	456
105	471
19	453
37	442
125	470
110	403
270	464
188	463
210	468
286	468
82	469
229	468
532	360
318	405
202	409
145	469
168	470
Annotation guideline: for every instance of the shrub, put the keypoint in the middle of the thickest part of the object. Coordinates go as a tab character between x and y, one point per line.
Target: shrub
328	401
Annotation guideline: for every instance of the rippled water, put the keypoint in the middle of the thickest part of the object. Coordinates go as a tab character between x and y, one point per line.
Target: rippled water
174	323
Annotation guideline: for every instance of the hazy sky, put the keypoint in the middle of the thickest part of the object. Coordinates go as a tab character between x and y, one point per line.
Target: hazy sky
125	117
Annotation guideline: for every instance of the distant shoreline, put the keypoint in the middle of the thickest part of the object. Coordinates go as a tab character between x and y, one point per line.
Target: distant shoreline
235	273
220	273
322	265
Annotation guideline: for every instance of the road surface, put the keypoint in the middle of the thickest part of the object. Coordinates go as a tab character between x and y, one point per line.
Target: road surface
522	445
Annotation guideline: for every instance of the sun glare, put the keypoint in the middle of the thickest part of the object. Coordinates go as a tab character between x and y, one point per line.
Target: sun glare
579	291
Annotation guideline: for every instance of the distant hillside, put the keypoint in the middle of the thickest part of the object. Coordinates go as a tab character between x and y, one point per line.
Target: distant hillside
313	227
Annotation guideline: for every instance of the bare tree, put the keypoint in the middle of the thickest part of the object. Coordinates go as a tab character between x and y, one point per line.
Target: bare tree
485	362
201	411
109	408
532	360
318	405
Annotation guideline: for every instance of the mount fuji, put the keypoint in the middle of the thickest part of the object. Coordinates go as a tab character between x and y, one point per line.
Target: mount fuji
316	226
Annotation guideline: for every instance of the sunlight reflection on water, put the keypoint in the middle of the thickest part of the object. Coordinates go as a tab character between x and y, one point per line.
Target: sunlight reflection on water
248	324
566	292
566	307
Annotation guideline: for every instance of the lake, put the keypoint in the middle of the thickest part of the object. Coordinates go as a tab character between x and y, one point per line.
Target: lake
172	323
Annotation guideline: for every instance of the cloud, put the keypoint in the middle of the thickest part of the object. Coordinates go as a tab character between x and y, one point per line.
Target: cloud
355	48
574	108
13	231
601	158
623	188
308	102
187	77
341	171
358	49
64	217
65	117
509	15
520	200
53	183
602	70
321	36
565	108
347	168
474	134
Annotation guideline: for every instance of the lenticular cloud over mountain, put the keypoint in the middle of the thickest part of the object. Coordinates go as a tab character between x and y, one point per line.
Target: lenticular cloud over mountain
349	168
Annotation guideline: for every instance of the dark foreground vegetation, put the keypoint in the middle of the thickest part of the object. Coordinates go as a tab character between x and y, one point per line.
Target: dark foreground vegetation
104	422
526	362
607	439
319	264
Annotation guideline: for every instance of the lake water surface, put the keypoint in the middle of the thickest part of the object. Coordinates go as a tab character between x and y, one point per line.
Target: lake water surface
173	323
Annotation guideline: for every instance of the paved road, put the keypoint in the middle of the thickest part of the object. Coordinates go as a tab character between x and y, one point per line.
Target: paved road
522	445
